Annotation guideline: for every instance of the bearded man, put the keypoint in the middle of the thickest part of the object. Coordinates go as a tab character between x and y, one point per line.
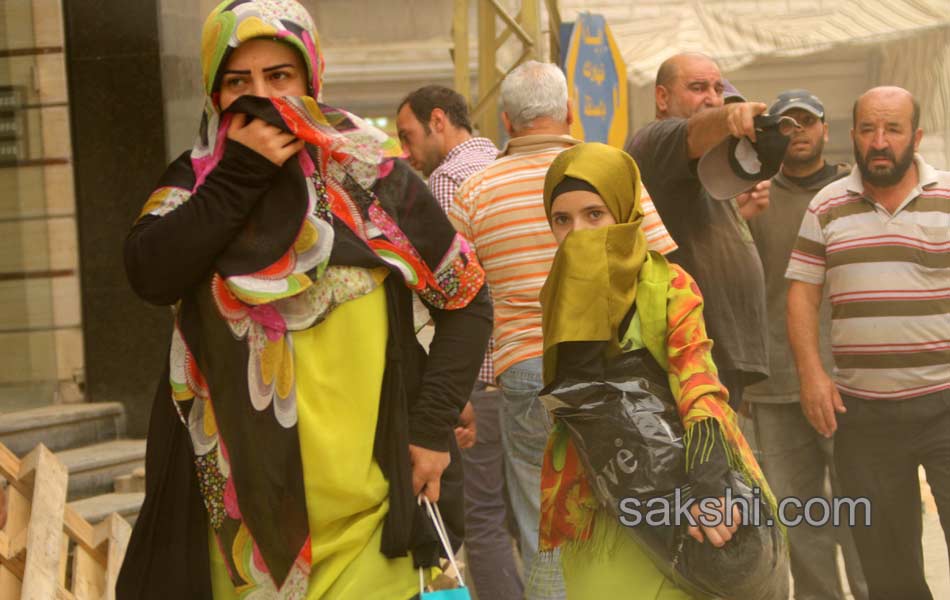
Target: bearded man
879	240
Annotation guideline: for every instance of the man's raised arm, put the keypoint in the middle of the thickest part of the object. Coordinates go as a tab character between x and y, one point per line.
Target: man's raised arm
708	127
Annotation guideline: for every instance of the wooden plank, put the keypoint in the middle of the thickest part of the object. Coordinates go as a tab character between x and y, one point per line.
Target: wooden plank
512	24
63	560
554	33
20	493
83	534
113	533
64	594
9	583
14	537
14	564
89	577
530	20
44	533
18	519
9	464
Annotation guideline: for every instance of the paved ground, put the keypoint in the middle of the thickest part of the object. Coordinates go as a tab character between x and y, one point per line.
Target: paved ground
935	557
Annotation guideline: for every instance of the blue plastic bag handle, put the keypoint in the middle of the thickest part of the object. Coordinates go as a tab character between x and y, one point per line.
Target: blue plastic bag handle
459	593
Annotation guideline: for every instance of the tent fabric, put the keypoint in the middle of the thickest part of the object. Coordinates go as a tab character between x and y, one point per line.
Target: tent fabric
913	37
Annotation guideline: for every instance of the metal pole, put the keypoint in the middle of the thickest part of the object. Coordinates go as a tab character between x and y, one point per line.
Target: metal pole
530	19
460	49
488	119
554	23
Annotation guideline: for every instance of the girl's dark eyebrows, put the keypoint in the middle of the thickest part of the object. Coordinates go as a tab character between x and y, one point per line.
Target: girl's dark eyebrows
235	72
275	67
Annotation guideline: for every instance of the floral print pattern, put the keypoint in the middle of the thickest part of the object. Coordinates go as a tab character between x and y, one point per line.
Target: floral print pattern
301	288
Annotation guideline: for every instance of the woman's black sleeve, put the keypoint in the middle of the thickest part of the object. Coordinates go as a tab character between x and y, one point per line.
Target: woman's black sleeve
455	355
167	255
461	334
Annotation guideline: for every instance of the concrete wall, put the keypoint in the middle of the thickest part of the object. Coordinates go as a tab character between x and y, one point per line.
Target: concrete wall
41	347
115	89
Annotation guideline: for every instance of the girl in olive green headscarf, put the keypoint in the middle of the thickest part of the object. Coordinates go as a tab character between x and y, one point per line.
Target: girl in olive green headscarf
607	294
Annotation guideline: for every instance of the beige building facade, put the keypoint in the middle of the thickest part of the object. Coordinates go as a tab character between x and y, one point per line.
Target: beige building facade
41	350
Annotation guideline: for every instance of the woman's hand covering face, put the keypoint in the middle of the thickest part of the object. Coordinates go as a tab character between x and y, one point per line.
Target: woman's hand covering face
265	68
265	139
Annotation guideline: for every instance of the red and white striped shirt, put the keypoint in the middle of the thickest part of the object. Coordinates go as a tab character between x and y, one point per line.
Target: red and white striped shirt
463	161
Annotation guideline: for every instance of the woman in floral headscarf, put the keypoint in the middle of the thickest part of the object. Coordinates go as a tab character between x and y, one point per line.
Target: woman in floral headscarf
299	417
606	295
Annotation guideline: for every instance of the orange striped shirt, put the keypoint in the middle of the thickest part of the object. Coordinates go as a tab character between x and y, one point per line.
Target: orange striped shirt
501	212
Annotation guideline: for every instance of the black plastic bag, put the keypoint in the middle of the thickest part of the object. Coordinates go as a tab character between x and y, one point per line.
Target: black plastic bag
629	437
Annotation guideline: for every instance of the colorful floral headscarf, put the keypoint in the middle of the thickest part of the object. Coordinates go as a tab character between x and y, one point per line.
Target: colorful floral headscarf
274	278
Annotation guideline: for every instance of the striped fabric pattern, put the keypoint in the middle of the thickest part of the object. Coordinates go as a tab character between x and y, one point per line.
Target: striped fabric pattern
500	210
888	281
464	160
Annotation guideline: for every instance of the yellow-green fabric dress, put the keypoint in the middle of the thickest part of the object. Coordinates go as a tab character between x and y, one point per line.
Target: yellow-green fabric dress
617	567
339	367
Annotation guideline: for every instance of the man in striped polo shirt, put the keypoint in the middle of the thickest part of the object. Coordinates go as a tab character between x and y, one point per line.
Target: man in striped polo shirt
501	211
880	240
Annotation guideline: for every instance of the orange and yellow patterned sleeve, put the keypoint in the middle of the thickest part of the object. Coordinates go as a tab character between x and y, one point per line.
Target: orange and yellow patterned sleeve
693	377
700	396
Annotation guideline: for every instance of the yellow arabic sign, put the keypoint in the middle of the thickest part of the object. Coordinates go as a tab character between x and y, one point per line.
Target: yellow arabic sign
596	82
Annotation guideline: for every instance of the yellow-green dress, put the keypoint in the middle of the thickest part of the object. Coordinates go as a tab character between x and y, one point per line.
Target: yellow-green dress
339	367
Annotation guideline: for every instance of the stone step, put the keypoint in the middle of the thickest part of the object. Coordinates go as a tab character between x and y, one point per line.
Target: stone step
97	508
92	469
132	482
62	426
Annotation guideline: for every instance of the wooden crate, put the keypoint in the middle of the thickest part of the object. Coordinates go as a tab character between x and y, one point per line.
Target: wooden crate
47	551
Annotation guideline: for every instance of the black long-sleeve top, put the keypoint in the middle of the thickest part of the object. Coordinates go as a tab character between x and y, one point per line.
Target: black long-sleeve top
166	256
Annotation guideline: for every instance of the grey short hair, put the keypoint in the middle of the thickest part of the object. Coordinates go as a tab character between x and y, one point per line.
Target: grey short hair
534	90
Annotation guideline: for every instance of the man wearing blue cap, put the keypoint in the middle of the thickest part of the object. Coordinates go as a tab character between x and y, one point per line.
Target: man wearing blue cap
796	459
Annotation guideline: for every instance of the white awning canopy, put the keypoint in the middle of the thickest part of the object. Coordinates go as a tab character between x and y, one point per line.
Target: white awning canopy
735	40
913	38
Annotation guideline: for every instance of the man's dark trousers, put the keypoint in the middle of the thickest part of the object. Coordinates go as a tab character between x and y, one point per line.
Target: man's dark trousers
878	448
